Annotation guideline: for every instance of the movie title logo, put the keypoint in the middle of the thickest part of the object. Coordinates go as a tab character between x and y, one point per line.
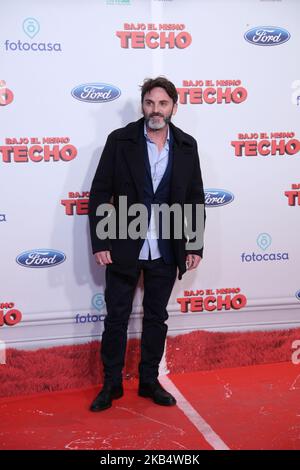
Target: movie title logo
265	144
6	95
212	92
217	197
267	36
36	150
293	195
9	315
77	203
154	36
211	300
96	92
40	258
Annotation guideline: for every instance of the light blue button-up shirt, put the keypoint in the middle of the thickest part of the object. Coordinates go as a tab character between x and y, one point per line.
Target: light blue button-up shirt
158	164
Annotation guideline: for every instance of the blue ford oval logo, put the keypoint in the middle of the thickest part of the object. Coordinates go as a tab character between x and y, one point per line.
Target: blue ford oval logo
298	294
40	258
267	35
217	197
96	92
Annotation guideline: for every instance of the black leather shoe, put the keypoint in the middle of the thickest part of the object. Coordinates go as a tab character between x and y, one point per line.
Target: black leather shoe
158	394
104	398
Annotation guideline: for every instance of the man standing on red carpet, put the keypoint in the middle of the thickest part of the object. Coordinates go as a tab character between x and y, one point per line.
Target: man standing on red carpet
153	165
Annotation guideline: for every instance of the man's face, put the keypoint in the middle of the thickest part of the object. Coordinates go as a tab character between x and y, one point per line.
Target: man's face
158	108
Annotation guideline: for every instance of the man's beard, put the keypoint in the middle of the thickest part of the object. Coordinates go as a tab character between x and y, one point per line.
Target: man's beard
154	124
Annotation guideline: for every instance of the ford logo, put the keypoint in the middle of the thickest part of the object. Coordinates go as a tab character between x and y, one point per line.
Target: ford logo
96	92
267	36
298	294
40	258
217	197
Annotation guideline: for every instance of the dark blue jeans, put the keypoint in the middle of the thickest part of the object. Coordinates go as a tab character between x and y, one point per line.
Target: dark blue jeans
121	282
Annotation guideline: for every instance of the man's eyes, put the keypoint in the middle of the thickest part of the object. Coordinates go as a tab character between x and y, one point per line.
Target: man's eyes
162	103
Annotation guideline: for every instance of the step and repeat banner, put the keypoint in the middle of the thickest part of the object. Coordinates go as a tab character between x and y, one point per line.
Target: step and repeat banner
70	74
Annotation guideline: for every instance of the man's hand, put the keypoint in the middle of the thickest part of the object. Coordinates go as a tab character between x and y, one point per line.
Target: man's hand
103	257
192	261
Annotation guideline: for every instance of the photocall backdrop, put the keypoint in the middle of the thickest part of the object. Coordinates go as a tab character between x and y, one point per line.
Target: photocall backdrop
70	74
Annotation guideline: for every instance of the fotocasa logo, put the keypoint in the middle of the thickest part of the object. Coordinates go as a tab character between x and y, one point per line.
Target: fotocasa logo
31	27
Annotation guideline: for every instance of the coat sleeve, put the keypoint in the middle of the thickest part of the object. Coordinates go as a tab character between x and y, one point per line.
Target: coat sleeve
196	196
101	192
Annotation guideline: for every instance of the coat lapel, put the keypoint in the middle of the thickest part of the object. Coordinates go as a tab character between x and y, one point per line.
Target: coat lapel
133	151
182	159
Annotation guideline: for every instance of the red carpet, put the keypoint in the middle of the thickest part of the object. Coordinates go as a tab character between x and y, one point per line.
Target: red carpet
204	351
254	407
69	367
